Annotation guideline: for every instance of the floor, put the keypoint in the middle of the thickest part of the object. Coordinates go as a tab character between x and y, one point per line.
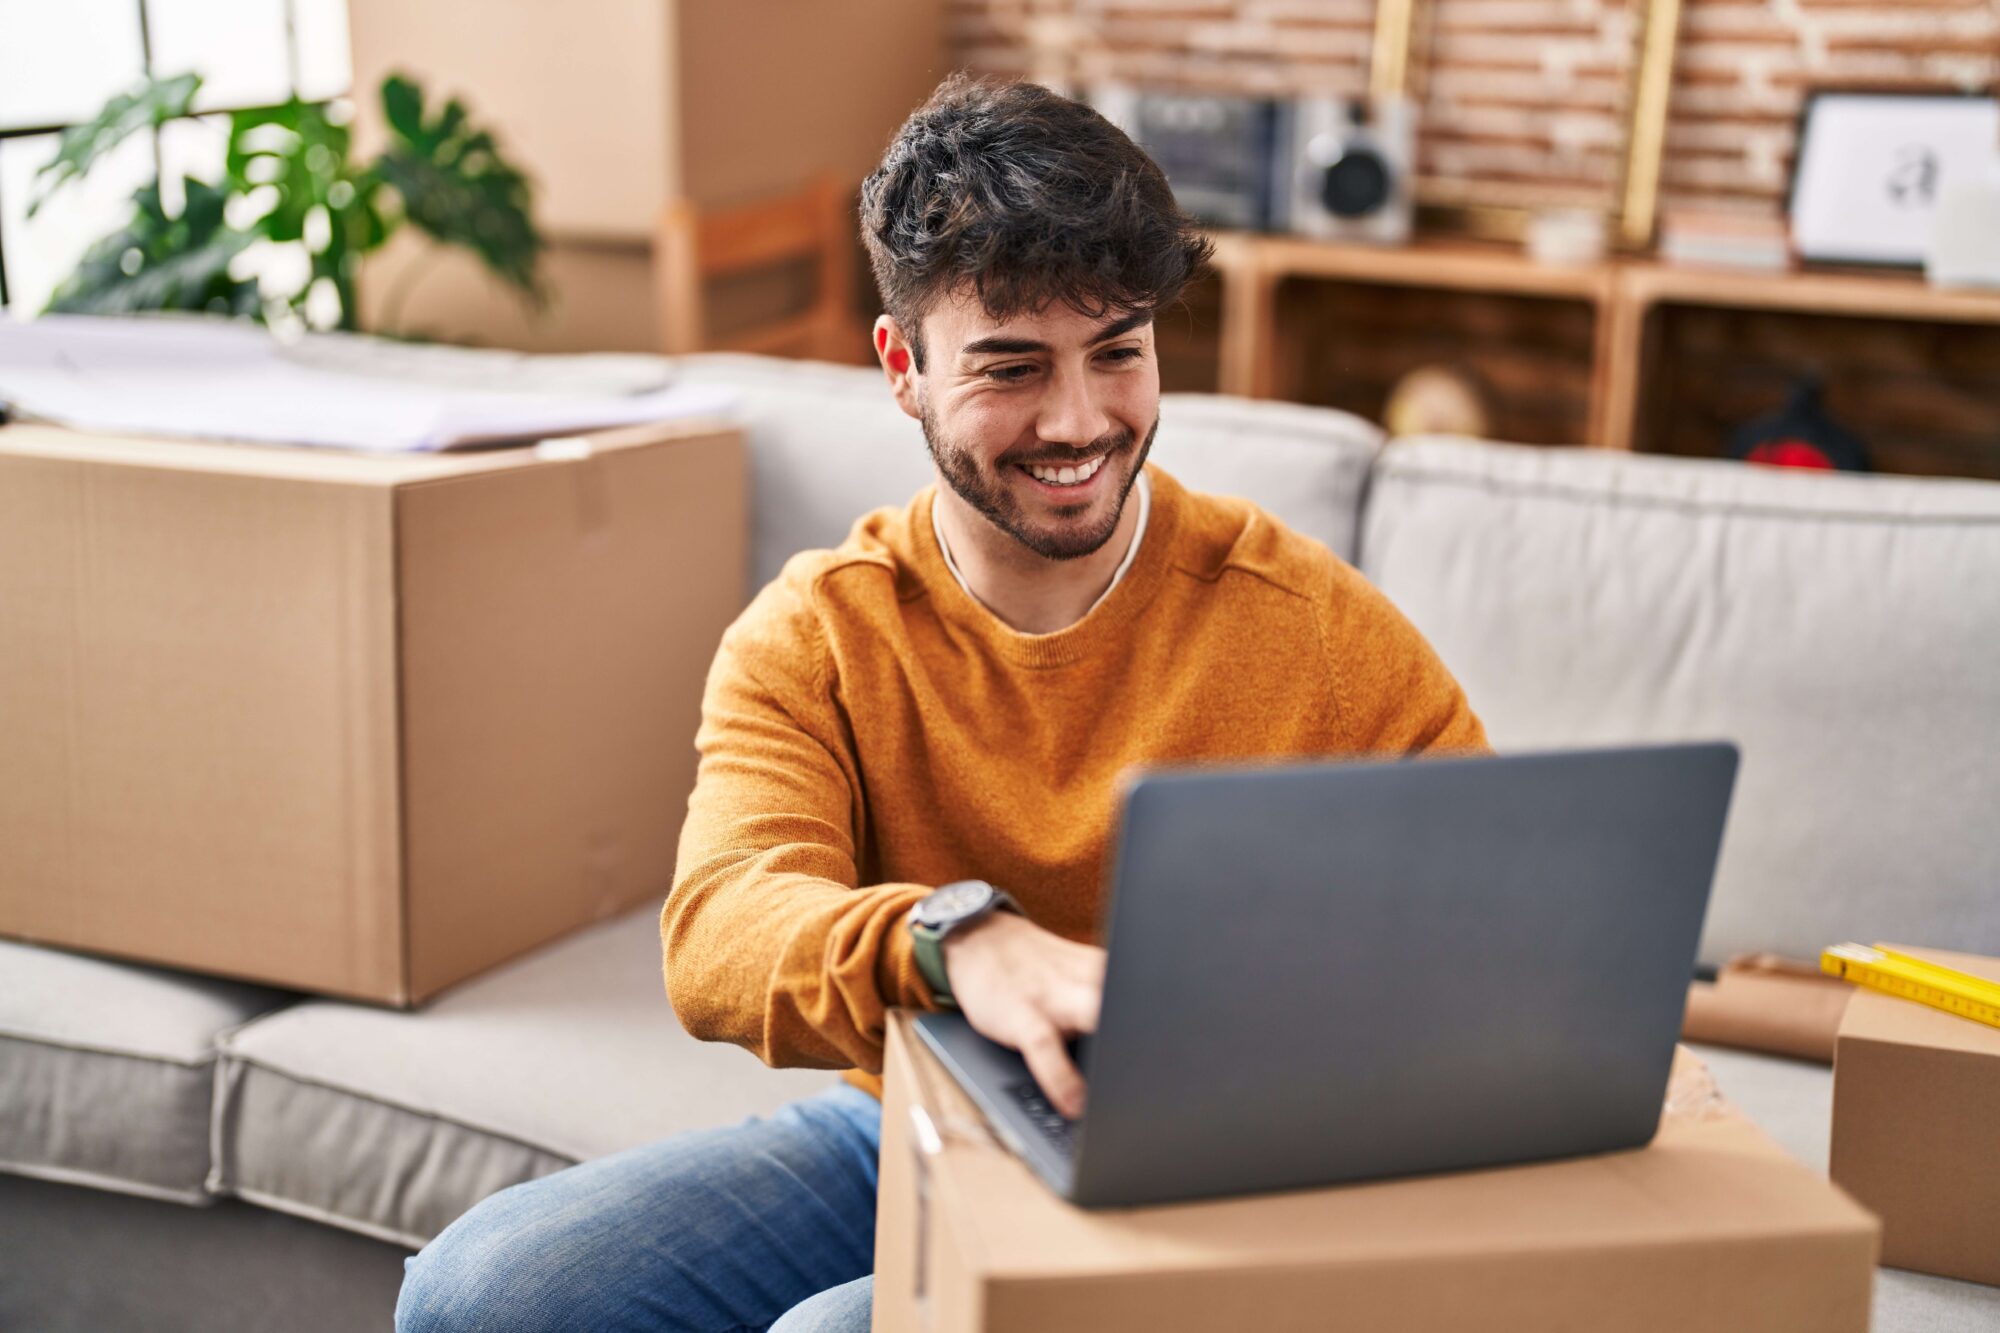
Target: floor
95	1262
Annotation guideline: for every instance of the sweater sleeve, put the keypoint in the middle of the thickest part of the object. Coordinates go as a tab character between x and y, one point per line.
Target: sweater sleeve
769	939
1393	692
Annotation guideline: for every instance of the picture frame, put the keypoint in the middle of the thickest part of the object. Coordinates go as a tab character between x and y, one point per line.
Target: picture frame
1871	163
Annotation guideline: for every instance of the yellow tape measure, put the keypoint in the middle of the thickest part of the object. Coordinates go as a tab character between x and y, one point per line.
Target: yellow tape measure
1910	978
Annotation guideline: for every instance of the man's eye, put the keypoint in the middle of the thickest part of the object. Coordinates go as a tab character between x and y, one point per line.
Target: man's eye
1125	353
1010	374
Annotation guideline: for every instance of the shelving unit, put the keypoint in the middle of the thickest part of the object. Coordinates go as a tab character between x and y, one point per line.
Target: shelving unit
1648	292
1625	300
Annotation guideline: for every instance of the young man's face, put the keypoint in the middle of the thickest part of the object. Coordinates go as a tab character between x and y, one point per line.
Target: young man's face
1009	405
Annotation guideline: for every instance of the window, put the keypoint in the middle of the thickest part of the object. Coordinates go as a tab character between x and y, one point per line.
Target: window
60	62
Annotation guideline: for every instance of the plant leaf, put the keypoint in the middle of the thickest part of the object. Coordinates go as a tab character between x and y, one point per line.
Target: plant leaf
150	104
457	186
158	262
403	105
296	156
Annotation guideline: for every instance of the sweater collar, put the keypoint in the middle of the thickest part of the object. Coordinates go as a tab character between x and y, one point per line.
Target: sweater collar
1104	624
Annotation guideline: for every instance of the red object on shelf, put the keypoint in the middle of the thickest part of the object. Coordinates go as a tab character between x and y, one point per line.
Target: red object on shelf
1790	453
1803	434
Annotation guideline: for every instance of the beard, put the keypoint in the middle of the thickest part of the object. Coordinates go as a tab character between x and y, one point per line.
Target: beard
989	493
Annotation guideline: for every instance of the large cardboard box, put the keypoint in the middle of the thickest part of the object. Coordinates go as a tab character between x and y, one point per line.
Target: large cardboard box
1916	1126
1711	1226
357	724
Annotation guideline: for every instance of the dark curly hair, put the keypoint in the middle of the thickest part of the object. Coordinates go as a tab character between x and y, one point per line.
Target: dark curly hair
1027	197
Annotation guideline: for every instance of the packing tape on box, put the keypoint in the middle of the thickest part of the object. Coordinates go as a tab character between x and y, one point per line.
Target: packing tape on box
1692	1094
593	502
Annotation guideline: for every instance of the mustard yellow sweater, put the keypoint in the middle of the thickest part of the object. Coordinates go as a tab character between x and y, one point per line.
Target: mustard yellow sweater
870	731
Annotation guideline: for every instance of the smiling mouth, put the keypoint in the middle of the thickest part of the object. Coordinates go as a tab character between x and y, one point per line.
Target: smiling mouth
1066	474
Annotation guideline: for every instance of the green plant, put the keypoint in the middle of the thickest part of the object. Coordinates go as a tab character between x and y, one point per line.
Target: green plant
289	178
161	262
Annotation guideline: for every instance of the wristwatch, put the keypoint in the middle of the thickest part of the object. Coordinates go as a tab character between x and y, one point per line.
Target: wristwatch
938	914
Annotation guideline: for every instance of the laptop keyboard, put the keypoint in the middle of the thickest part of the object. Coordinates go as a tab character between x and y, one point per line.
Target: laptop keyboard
1057	1129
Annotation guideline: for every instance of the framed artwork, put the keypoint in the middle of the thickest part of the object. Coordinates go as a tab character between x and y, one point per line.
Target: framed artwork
1870	167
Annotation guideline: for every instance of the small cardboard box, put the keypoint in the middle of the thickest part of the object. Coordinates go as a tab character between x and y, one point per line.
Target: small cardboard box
358	724
1711	1226
1916	1126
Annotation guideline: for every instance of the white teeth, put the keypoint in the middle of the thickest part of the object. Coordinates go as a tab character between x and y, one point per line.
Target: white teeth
1068	476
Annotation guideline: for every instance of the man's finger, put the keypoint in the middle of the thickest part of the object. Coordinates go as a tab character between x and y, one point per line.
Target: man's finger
1048	1060
1086	963
1073	1006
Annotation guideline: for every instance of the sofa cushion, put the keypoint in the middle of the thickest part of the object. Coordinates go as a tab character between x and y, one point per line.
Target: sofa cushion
107	1069
1306	466
827	444
1844	631
392	1123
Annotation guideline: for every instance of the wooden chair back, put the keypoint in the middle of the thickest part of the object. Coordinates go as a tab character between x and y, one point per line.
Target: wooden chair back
812	225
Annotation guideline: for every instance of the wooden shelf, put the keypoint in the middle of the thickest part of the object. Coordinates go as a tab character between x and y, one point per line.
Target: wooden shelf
1252	267
1870	295
1623	295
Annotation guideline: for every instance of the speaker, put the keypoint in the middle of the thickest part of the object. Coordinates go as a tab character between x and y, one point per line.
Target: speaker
1222	155
1351	167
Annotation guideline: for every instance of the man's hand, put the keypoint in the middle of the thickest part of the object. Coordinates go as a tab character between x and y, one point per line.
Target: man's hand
1031	990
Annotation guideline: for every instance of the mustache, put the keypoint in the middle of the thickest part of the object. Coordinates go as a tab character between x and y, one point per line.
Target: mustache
1107	444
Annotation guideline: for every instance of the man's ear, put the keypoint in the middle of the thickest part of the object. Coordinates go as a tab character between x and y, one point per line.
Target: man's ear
899	363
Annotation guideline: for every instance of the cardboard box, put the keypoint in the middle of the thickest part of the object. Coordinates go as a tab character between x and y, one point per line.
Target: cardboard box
1711	1226
358	724
1761	1002
1916	1126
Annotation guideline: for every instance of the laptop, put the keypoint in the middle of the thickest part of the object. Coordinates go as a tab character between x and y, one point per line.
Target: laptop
1335	971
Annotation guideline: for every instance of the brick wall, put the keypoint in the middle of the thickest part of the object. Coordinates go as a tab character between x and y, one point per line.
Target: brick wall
1523	97
1743	66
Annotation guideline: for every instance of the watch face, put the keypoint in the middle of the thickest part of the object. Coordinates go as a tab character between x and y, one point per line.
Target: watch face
953	902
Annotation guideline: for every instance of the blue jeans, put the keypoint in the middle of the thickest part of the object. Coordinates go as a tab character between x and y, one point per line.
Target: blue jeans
720	1229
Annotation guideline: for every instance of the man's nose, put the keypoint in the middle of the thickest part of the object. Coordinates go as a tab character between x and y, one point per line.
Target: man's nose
1070	413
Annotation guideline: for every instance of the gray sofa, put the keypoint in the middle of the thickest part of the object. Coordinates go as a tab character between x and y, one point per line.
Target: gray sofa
185	1152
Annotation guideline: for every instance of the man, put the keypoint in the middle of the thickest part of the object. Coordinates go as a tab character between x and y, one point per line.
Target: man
951	695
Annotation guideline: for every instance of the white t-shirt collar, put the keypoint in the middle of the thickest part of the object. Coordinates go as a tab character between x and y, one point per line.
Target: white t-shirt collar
1144	488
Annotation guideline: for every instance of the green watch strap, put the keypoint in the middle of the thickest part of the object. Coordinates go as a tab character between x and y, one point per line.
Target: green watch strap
940	913
928	946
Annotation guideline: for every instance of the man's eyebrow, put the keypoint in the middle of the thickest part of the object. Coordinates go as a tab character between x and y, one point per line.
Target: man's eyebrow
982	346
1012	346
1121	326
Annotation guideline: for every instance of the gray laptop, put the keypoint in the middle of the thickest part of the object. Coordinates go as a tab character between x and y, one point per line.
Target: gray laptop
1324	972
